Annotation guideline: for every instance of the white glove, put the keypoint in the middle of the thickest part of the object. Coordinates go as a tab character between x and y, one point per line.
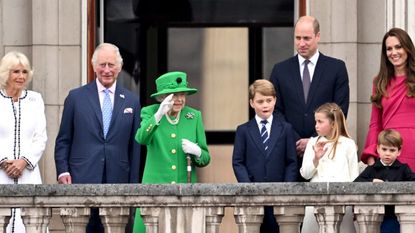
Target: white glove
191	148
165	106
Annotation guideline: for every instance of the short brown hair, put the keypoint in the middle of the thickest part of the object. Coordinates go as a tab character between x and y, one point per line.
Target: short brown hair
390	137
262	86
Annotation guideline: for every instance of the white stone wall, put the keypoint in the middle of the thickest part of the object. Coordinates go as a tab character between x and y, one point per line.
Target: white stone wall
49	33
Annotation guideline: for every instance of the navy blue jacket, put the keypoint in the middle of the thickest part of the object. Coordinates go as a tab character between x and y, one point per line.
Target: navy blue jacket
250	161
330	83
81	148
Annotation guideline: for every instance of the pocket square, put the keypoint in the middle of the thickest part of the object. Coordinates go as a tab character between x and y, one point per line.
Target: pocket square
128	110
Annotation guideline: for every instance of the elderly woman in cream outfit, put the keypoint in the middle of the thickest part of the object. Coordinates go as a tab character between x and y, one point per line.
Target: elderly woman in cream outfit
22	128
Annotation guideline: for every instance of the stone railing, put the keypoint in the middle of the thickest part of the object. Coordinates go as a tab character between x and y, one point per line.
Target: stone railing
209	200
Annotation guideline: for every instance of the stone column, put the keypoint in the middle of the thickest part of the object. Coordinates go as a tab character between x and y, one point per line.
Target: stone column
36	220
369	218
114	219
75	219
150	218
5	214
406	217
249	218
214	217
289	218
329	218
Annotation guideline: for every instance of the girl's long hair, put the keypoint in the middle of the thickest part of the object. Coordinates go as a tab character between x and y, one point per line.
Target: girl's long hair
336	117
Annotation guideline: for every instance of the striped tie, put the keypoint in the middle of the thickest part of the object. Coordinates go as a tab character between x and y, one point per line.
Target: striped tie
106	112
264	134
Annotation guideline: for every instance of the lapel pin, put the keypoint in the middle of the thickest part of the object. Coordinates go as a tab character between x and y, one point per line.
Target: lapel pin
122	96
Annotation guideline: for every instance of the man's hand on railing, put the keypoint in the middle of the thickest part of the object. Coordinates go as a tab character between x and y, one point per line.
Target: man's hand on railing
65	179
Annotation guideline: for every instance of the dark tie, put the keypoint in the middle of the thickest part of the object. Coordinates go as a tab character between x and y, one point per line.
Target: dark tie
306	80
264	134
106	111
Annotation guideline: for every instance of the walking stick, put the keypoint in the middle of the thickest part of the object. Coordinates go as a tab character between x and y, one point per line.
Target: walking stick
189	168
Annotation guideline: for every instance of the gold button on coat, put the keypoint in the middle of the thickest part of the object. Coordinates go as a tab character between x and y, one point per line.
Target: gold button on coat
173	135
173	151
173	167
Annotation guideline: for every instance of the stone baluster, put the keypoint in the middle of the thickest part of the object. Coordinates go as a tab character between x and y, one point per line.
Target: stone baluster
75	219
5	214
249	218
406	217
214	217
114	219
289	218
329	218
369	218
36	220
150	218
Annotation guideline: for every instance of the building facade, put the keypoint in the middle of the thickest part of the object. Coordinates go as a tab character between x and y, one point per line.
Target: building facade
54	35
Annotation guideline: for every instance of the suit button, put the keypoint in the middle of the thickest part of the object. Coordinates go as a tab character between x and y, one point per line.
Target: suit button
173	182
173	135
173	151
173	167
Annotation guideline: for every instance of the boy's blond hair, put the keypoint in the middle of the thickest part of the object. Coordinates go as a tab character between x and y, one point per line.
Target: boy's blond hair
262	86
390	137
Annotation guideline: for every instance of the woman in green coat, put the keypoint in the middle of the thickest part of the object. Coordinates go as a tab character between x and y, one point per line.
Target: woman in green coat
171	131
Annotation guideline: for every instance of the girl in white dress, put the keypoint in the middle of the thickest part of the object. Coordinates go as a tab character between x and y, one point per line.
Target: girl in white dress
330	157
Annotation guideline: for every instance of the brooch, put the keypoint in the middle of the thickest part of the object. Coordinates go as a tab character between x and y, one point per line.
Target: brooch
190	115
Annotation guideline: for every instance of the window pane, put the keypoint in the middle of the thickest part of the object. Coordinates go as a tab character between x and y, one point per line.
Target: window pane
216	60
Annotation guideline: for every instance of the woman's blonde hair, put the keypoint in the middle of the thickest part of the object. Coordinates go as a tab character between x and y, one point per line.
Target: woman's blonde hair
336	117
10	60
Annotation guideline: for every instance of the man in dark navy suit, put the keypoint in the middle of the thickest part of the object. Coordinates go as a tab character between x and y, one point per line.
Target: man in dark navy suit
326	80
95	143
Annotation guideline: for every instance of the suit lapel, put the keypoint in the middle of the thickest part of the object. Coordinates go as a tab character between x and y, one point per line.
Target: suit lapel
92	94
275	133
317	76
119	102
255	135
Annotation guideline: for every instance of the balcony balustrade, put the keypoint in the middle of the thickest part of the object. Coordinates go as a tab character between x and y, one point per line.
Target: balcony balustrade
200	207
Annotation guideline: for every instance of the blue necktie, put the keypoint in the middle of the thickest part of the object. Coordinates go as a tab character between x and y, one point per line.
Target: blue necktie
264	134
106	112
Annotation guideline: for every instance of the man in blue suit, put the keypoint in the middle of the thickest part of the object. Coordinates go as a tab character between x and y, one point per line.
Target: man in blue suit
264	149
326	81
92	147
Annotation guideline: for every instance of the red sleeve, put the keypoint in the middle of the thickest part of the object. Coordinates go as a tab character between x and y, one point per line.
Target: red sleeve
375	126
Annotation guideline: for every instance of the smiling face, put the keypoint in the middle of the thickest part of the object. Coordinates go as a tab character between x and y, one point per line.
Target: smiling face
396	54
17	77
179	99
388	154
324	126
263	105
107	66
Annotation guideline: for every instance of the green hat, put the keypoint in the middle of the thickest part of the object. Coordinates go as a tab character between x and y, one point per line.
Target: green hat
173	82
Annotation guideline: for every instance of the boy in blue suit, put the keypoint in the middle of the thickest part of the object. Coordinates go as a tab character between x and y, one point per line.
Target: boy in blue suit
264	149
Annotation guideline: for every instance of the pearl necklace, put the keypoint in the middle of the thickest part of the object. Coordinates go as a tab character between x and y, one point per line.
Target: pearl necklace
173	121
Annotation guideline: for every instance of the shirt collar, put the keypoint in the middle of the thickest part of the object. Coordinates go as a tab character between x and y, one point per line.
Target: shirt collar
259	119
313	60
386	165
101	87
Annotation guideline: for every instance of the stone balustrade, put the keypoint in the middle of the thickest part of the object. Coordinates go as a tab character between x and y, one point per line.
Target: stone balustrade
200	207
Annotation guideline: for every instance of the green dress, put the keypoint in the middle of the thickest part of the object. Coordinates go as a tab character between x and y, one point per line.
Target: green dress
166	161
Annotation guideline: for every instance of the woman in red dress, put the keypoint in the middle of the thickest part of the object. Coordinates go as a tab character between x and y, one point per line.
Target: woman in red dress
393	96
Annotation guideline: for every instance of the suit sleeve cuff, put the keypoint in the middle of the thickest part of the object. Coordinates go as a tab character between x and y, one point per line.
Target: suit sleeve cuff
63	174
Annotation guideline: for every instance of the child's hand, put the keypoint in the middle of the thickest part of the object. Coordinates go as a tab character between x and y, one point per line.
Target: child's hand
319	149
377	181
